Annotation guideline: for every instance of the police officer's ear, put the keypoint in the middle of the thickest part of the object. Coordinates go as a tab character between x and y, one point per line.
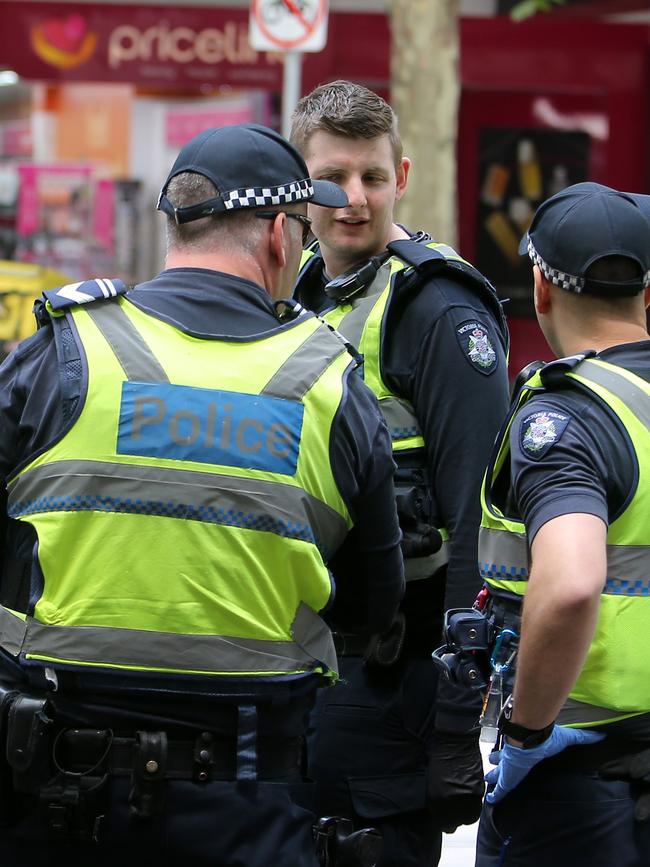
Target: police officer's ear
277	240
542	291
402	172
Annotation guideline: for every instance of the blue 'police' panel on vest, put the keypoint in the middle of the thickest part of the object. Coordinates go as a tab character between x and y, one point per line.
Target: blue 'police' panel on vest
182	423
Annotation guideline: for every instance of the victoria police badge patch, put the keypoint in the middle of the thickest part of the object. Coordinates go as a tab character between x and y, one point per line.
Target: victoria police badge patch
540	431
474	339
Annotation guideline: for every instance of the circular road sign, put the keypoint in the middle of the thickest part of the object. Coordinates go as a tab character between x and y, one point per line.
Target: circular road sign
289	24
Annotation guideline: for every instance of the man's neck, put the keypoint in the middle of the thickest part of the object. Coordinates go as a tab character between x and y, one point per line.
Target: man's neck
237	266
335	266
605	340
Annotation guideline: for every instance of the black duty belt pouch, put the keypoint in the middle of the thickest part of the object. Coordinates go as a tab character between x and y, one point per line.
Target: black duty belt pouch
147	795
337	845
29	743
71	804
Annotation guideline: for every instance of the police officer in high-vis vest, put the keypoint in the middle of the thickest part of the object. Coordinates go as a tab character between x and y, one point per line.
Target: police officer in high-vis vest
182	462
433	340
566	530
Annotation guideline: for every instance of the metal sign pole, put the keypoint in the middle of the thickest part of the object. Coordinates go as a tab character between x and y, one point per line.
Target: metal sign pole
290	87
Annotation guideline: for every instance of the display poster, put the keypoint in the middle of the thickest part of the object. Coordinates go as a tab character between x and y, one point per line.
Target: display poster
63	218
53	216
519	168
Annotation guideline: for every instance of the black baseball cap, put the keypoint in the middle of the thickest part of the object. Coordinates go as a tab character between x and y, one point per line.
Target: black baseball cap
251	166
580	225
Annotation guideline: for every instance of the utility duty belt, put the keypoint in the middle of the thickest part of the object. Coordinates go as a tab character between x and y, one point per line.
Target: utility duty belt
67	769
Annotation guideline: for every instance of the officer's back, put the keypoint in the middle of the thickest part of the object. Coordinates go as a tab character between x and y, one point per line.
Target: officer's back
178	476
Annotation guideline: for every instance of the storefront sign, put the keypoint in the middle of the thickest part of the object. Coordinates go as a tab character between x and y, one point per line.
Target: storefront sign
177	46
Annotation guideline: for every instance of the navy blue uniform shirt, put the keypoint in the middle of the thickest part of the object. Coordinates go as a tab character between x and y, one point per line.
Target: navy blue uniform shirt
215	305
589	467
459	403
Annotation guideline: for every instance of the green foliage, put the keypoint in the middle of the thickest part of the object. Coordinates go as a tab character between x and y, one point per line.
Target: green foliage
528	8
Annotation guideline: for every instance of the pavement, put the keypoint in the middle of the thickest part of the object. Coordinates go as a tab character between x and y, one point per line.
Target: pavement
458	849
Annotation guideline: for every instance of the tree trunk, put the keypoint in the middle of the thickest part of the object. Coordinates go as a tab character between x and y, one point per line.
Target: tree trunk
425	91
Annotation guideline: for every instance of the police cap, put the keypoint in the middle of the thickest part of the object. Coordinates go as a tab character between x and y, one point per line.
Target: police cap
251	166
642	201
582	224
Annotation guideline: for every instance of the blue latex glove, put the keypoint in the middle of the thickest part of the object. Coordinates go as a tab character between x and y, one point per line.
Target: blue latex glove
513	763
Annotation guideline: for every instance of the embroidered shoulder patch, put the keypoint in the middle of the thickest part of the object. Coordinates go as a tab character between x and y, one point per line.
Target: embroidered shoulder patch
477	346
539	432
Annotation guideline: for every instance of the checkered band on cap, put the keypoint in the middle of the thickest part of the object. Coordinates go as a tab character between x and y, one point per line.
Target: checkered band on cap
559	278
250	197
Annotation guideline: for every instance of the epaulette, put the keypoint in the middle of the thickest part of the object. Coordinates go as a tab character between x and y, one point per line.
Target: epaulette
416	253
84	292
554	372
424	255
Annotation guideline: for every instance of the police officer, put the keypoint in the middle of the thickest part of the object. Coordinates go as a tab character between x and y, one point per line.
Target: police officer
565	522
180	465
432	336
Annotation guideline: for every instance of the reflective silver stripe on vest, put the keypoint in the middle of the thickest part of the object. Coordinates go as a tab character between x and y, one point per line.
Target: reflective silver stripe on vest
130	348
72	486
12	632
400	419
503	555
305	365
211	654
449	252
636	400
352	324
575	712
628	570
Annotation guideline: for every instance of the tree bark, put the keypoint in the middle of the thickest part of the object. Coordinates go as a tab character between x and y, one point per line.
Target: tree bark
425	92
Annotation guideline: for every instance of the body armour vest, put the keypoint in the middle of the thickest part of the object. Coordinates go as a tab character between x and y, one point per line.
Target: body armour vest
613	683
184	528
361	321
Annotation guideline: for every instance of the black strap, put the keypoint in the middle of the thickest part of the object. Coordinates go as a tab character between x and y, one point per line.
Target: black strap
207	757
28	742
147	796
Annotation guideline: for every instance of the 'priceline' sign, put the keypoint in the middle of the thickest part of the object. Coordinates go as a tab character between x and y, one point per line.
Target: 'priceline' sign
155	45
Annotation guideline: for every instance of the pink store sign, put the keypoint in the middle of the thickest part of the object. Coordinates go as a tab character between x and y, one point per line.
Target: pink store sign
182	125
